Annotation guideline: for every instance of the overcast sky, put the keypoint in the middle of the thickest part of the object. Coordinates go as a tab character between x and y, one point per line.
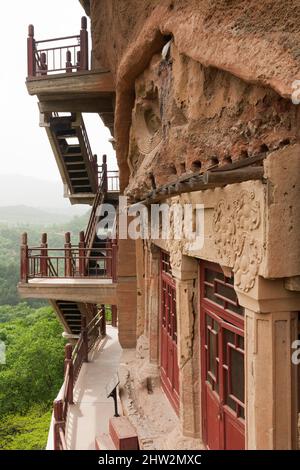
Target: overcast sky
25	149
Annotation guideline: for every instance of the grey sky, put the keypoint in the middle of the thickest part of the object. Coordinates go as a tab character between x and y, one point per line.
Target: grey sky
25	149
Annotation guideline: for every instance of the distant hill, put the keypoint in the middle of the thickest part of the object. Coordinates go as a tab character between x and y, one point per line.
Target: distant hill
18	190
24	215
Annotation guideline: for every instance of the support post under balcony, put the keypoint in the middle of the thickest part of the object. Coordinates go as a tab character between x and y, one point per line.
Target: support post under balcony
103	321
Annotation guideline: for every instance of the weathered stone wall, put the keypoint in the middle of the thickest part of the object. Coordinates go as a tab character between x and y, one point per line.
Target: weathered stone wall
219	93
257	42
188	118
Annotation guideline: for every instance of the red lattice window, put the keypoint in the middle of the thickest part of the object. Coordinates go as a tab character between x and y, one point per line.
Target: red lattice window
219	289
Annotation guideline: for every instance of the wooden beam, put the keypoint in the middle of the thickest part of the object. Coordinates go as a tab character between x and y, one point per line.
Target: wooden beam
69	85
208	180
81	105
68	291
233	176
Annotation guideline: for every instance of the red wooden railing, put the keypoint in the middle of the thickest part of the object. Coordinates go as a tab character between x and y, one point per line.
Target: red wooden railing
74	358
68	54
71	261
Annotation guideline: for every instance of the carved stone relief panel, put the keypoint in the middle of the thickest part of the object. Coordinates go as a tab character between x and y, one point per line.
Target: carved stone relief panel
233	225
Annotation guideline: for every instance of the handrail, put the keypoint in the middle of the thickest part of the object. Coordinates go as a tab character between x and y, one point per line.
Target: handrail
57	39
74	358
43	61
99	198
91	157
69	262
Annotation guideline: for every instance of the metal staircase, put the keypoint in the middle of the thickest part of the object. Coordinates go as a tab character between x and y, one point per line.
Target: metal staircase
71	314
77	164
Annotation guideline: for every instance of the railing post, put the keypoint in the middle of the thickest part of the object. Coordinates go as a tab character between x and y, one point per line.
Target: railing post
104	174
68	255
43	68
24	258
68	361
84	45
31	63
78	61
96	170
69	66
85	343
109	258
82	254
114	256
114	315
58	407
103	321
44	256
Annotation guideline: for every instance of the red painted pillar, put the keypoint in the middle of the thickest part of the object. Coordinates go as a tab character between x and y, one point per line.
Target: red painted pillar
114	315
31	63
82	254
58	407
104	174
103	321
24	259
108	247
69	362
44	256
68	256
114	260
96	170
84	45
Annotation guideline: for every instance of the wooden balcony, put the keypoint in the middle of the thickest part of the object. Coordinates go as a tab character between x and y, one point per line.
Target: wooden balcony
59	74
74	273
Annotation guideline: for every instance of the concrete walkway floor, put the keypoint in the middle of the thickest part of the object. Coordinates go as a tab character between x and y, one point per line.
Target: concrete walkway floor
89	416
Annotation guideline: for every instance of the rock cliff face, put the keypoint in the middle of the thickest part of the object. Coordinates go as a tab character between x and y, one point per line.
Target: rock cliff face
221	93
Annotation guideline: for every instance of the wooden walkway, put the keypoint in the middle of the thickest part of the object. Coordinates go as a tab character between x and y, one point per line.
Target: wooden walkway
90	414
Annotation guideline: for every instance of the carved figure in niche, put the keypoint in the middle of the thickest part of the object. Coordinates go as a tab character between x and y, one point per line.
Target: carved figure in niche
147	123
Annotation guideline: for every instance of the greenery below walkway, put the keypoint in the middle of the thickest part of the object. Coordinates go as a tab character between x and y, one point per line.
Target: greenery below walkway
32	375
25	432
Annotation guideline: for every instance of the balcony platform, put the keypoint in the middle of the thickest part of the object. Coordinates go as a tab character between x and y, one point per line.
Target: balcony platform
66	86
98	291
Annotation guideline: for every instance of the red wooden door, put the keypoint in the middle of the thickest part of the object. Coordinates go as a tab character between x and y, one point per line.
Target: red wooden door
222	357
168	338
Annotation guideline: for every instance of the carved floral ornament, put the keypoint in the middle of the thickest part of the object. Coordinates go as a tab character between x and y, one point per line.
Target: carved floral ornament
236	246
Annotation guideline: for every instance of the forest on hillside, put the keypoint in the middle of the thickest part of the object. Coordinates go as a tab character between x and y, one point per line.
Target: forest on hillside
10	236
32	373
31	377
